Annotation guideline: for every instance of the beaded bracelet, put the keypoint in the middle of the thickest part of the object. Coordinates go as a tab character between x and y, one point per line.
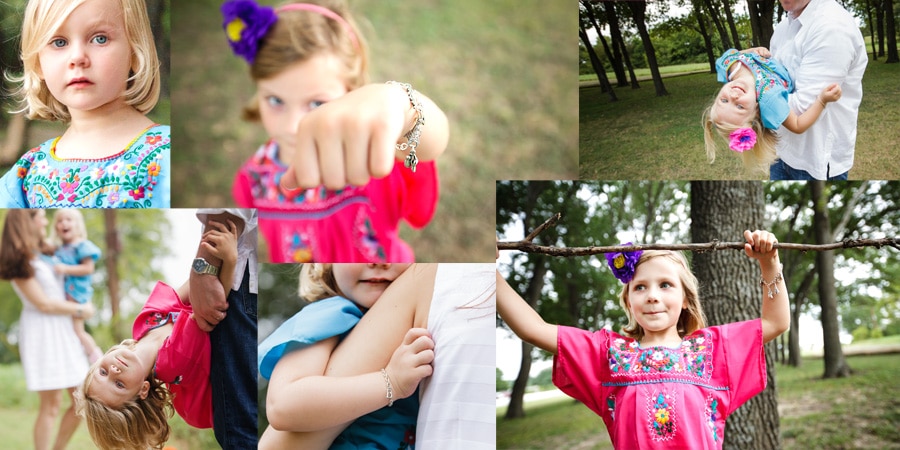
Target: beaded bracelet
771	284
390	389
412	136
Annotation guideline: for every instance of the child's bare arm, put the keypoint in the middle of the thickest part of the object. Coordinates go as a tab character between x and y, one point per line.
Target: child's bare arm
85	267
31	289
801	123
301	398
776	312
524	320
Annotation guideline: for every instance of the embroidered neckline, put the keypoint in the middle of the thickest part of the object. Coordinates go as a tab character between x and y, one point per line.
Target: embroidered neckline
105	158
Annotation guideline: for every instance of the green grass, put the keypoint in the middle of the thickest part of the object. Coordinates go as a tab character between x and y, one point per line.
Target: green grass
19	407
642	136
861	411
642	74
495	68
882	340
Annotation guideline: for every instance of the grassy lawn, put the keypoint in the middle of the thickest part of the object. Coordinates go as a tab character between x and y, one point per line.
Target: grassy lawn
645	73
18	410
860	412
512	107
642	136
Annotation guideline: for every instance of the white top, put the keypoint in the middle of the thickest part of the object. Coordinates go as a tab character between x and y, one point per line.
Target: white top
457	405
246	243
821	46
52	355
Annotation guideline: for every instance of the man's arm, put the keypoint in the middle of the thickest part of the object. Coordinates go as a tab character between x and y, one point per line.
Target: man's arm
207	294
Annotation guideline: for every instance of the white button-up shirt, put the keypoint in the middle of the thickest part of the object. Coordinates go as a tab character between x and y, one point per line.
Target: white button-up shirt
821	46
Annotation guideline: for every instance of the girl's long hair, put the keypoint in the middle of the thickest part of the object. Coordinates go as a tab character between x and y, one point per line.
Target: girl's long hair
20	243
758	158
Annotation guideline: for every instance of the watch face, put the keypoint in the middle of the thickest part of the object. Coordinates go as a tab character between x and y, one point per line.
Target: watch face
200	265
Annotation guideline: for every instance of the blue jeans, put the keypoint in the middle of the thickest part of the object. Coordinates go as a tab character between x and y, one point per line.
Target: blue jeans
234	372
781	171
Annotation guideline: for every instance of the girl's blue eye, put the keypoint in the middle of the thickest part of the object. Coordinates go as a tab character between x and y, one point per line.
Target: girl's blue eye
101	39
58	42
120	385
666	284
315	104
274	101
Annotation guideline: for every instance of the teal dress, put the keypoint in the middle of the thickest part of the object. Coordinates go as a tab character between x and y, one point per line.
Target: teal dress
389	428
136	177
773	84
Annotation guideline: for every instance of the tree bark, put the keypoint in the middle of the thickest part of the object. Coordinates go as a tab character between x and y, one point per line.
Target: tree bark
730	19
871	28
638	9
794	359
598	66
113	248
835	363
714	14
532	295
613	54
891	33
707	40
729	293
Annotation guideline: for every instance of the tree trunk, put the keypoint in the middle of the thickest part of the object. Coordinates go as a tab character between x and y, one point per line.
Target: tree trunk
618	42
113	248
638	8
707	40
598	66
155	11
871	28
714	14
613	54
761	19
723	210
794	359
730	19
891	32
16	136
879	27
835	363
516	407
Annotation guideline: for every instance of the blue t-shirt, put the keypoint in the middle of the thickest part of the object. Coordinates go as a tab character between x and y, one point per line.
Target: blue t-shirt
78	287
391	427
773	83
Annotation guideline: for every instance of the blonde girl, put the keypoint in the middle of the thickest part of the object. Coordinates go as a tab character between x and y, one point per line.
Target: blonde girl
346	161
753	103
129	394
307	409
668	381
91	64
76	256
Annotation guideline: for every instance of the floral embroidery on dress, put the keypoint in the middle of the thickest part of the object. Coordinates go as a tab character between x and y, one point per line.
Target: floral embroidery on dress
158	319
298	247
367	240
712	415
661	409
409	439
611	406
125	180
693	358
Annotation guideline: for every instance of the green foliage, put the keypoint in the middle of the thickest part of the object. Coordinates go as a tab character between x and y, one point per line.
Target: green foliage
544	379
501	384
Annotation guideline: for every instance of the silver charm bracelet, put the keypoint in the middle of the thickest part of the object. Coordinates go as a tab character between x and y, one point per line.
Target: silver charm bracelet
412	136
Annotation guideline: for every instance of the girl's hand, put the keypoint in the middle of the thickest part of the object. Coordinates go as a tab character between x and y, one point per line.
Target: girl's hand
832	93
87	310
411	362
761	51
350	140
760	245
60	269
221	240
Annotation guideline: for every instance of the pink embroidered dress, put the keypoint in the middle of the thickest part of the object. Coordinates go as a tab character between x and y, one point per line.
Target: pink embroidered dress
353	224
662	397
183	360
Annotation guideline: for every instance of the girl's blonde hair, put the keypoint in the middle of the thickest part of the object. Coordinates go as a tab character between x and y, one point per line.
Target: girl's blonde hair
297	36
317	282
760	157
137	424
692	317
80	227
42	19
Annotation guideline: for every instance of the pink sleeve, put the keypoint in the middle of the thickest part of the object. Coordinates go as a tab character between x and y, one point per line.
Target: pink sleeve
183	364
240	189
742	357
422	190
580	365
162	301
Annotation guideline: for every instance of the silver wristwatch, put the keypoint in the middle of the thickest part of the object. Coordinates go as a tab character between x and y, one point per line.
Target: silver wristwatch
203	267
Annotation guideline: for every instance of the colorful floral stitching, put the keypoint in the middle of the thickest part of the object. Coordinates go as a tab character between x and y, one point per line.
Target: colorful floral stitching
661	409
712	415
692	359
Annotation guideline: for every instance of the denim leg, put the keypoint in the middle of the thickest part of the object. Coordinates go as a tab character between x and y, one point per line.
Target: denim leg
781	171
234	372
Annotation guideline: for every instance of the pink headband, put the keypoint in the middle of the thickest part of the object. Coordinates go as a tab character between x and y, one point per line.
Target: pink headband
325	12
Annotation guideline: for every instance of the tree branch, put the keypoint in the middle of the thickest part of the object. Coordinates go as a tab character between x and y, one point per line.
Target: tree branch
526	245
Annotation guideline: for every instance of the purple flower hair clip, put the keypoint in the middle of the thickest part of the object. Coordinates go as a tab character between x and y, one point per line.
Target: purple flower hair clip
742	139
623	263
245	24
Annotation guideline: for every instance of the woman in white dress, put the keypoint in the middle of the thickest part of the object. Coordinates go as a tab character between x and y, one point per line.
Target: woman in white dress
51	354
